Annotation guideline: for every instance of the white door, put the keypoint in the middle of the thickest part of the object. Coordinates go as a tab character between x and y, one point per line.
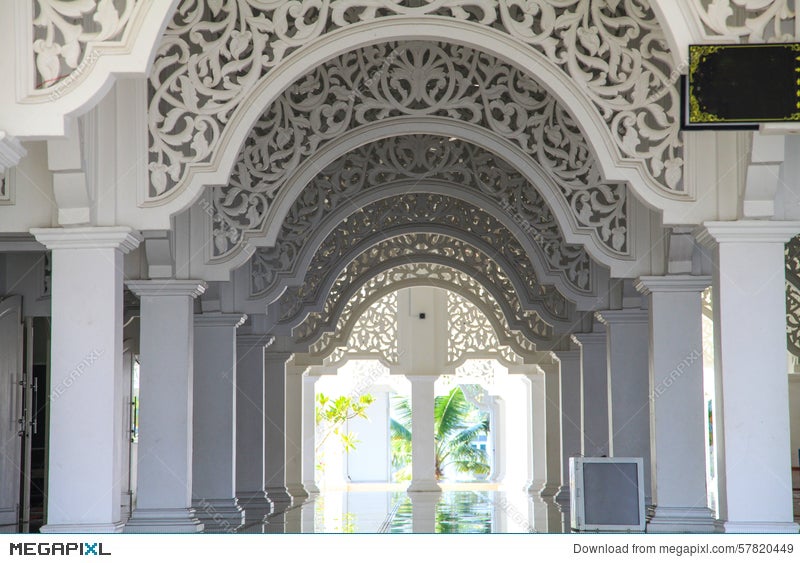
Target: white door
11	373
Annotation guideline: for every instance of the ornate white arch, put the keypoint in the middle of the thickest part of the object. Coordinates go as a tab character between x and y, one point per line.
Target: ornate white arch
413	213
549	313
602	61
317	338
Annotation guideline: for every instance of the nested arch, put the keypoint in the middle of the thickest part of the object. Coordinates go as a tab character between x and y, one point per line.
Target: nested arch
540	320
574	49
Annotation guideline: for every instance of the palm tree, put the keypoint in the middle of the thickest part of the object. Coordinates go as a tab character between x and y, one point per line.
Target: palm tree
454	438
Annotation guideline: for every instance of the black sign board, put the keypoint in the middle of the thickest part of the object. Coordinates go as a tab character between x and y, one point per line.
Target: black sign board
736	86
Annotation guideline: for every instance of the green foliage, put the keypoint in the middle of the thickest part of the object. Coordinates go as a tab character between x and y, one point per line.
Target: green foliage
331	415
455	432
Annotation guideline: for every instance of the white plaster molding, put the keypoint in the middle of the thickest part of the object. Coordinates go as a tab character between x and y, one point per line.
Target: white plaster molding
623	316
672	284
234	320
98	57
713	233
11	151
122	238
166	288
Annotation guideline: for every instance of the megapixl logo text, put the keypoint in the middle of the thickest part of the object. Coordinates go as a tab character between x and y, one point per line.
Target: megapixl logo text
56	548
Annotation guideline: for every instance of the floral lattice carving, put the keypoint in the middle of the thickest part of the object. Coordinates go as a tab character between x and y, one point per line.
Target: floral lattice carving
477	272
62	30
471	332
425	210
424	79
751	21
327	329
419	159
793	295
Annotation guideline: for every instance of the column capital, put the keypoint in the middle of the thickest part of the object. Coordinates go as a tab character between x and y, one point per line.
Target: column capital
567	354
123	239
672	284
589	338
716	232
233	320
528	370
167	288
622	316
422	378
277	355
253	340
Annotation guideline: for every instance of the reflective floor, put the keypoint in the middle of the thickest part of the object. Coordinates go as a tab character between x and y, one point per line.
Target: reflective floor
453	511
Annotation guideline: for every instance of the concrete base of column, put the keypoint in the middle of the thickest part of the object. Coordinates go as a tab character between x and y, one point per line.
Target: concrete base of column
562	498
219	515
424	486
297	492
760	527
533	487
311	487
680	519
111	528
280	498
548	492
163	521
256	505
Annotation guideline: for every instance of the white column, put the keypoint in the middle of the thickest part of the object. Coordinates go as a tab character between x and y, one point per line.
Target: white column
214	420
752	387
164	493
538	432
423	509
570	399
294	433
250	426
677	404
629	386
275	429
594	392
309	434
552	391
423	447
85	444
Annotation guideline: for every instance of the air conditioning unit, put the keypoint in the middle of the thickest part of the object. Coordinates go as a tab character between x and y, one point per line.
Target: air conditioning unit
606	494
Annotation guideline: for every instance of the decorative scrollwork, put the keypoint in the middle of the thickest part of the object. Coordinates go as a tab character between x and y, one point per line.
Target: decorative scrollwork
419	158
424	79
62	30
214	54
751	21
471	332
792	253
424	210
327	329
5	191
476	268
373	332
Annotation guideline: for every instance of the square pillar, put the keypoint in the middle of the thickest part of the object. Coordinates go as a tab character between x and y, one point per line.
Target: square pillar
594	391
570	400
250	426
677	404
275	429
554	521
309	434
164	495
423	437
629	386
86	438
752	387
214	421
538	431
294	433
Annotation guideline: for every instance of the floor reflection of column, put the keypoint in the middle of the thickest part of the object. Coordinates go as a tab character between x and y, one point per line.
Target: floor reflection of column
293	520
308	513
424	511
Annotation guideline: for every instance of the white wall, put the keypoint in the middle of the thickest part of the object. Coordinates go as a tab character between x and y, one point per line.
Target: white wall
370	460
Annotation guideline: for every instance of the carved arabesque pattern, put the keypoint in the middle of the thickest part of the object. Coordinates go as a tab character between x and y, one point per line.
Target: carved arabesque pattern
327	329
63	29
409	249
214	54
398	211
424	79
793	295
5	193
418	158
374	332
751	21
469	331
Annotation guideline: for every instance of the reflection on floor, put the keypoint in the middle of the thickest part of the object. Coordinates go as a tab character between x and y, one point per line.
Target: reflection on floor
382	511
